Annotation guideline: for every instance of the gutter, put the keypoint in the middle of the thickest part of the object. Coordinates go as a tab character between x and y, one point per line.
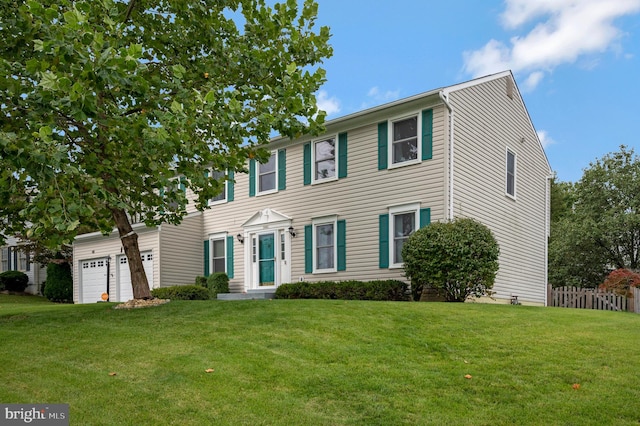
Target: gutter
445	100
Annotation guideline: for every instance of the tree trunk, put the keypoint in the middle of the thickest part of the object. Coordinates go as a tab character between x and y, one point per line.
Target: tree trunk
130	243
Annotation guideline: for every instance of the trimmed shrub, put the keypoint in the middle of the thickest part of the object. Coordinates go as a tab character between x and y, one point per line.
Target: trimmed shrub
458	259
620	281
14	281
59	284
217	283
181	292
201	281
394	290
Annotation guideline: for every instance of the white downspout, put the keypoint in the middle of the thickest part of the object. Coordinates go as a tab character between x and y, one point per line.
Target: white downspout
451	123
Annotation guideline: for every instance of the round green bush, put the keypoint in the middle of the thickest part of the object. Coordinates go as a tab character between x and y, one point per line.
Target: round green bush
14	281
59	284
218	283
458	259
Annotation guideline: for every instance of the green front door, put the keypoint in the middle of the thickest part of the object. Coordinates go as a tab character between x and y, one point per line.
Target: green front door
266	259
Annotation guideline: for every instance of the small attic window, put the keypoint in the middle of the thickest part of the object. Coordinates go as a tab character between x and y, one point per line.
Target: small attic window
510	88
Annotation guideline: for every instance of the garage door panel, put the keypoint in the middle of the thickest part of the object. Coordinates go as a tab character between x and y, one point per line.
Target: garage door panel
93	279
125	290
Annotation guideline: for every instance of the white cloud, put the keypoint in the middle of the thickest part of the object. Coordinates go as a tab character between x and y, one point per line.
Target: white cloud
545	139
330	105
563	31
378	97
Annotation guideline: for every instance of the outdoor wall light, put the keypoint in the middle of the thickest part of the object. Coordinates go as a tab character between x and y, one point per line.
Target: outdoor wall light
240	238
291	231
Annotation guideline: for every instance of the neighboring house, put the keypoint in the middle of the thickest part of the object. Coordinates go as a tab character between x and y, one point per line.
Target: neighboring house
12	258
340	206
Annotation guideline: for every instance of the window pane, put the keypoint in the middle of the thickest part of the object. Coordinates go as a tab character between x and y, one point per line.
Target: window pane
403	226
511	173
325	169
325	258
267	182
325	150
219	176
324	235
268	167
405	129
218	265
218	248
405	150
397	250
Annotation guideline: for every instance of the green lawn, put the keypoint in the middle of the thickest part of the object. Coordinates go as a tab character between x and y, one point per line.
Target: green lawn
315	362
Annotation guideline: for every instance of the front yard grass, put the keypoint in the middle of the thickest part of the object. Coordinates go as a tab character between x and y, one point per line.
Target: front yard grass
319	362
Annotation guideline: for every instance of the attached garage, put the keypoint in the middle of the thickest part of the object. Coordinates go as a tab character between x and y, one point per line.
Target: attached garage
125	290
94	279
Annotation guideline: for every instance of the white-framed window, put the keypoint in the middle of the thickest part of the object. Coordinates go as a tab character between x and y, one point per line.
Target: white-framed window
218	252
324	158
267	175
405	140
4	259
222	197
325	247
403	221
510	184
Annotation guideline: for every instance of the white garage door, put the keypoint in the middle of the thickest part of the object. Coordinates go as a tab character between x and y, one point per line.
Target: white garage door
93	280
125	290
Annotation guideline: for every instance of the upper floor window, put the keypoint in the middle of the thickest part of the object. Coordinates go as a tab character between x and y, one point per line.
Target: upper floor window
222	196
268	177
405	140
324	159
511	174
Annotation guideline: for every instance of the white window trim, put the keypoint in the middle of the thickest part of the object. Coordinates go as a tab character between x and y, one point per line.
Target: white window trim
391	164
274	155
515	173
217	236
226	190
313	159
395	210
325	220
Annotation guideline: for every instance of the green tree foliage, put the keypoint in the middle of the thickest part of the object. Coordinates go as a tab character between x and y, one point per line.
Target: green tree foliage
602	230
104	103
457	258
59	284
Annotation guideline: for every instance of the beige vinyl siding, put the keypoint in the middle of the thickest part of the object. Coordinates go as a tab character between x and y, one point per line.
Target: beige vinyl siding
181	254
359	199
487	123
97	246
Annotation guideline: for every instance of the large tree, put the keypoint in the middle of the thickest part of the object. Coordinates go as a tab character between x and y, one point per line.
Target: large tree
110	108
601	232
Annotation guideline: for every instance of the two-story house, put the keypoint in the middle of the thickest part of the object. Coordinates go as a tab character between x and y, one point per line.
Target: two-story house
341	205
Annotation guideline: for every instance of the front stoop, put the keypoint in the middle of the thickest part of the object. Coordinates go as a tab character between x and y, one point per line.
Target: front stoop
250	295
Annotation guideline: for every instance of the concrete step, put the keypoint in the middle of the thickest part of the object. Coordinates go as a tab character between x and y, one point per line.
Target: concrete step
250	295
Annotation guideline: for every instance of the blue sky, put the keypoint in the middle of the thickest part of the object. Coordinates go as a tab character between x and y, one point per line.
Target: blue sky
576	62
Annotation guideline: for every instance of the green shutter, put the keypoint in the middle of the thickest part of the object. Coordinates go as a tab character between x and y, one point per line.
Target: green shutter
342	155
183	187
206	258
342	245
252	178
308	249
425	217
307	163
230	185
427	134
282	169
382	145
230	256
383	231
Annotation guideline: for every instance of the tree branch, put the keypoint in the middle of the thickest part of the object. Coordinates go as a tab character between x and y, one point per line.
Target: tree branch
132	3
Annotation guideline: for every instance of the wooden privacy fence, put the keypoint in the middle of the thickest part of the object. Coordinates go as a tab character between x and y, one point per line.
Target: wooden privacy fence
590	298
